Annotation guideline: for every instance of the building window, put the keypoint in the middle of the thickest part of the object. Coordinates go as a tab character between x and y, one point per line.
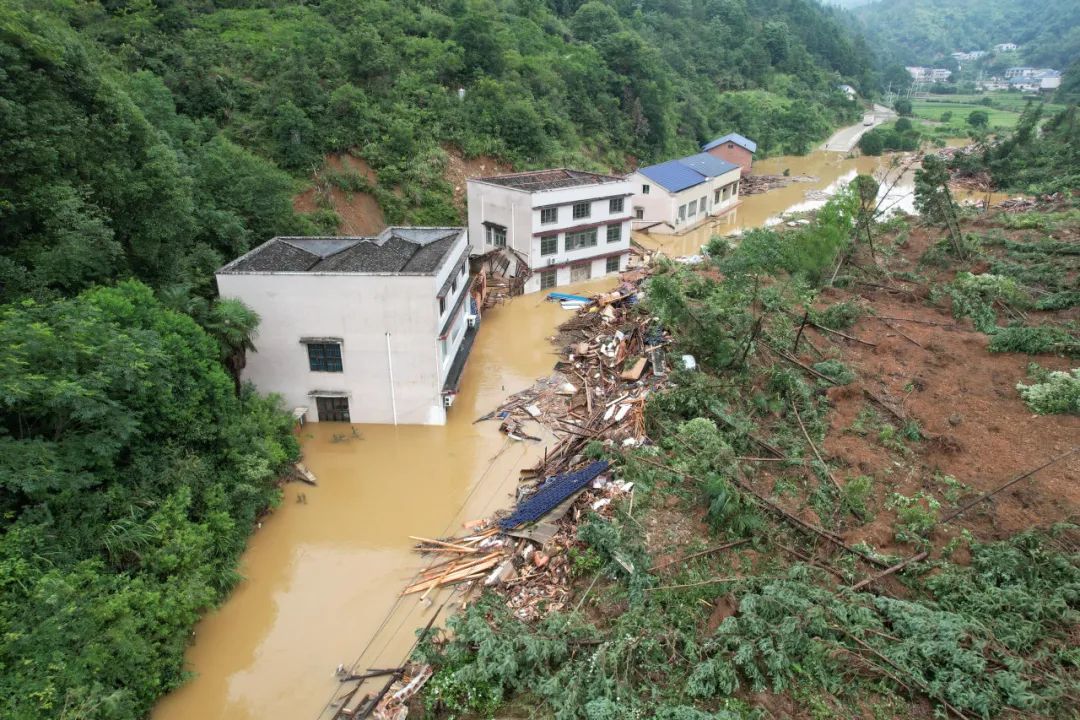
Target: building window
580	273
442	305
496	235
615	205
582	210
453	286
716	197
444	348
583	239
332	409
613	264
682	213
692	210
324	357
701	203
547	279
549	215
614	233
549	245
645	189
462	270
639	213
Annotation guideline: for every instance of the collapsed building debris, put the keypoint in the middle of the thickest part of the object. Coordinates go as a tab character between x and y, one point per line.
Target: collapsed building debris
504	272
757	184
611	361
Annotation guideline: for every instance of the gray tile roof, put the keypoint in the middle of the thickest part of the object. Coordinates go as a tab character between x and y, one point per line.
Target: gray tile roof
395	250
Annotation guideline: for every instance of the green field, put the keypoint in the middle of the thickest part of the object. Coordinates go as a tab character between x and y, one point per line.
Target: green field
932	110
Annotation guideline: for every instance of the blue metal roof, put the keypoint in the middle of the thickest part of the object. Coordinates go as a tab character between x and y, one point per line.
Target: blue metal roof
673	175
708	165
733	138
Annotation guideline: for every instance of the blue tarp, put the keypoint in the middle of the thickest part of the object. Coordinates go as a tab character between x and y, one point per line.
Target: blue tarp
567	296
551	493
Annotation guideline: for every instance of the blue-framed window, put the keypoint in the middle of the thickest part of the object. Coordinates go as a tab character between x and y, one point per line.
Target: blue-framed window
324	357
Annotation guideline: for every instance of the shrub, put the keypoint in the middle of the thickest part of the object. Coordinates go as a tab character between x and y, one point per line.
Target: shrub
835	370
1058	301
1035	340
974	296
1059	392
838	316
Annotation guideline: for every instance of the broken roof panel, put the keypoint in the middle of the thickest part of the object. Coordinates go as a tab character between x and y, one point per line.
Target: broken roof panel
418	251
554	179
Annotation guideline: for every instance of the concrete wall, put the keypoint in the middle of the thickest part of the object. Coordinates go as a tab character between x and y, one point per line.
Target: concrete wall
734	154
661	208
520	213
360	309
510	208
597	268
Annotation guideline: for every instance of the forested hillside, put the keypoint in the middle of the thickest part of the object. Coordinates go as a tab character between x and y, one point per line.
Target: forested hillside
918	32
142	144
157	139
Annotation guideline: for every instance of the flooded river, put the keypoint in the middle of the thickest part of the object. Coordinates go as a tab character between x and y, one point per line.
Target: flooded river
830	171
323	576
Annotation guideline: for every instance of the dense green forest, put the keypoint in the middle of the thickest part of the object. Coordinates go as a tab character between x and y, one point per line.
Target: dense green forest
157	139
914	32
144	143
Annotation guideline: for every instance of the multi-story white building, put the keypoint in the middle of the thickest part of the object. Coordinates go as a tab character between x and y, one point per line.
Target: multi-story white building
927	74
359	329
677	195
1005	47
570	225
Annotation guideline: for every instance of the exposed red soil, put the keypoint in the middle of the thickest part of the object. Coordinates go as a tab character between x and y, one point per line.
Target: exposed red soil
460	169
359	212
975	426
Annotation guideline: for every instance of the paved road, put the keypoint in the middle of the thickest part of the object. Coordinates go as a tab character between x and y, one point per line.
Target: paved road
844	139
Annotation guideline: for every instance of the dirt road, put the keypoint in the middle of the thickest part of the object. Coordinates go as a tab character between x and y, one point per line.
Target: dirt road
844	140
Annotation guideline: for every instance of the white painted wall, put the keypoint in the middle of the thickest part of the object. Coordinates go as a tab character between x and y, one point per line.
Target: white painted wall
661	206
360	309
520	213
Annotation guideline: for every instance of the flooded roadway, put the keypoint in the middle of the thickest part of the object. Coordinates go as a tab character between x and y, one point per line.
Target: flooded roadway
323	576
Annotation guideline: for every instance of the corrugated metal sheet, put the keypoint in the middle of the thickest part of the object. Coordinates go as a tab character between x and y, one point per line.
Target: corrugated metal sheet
673	175
734	138
708	165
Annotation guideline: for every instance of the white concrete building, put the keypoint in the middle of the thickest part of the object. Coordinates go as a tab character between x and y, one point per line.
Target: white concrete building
1005	47
927	74
359	329
570	225
677	195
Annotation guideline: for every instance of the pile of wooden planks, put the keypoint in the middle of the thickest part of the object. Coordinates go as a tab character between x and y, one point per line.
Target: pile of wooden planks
470	558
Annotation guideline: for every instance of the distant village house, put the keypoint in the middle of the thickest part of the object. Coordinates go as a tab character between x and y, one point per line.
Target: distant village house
927	74
568	225
1005	47
677	195
359	329
735	149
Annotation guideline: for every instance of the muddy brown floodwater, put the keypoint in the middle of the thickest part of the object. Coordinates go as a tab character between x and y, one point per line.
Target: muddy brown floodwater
831	170
323	576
